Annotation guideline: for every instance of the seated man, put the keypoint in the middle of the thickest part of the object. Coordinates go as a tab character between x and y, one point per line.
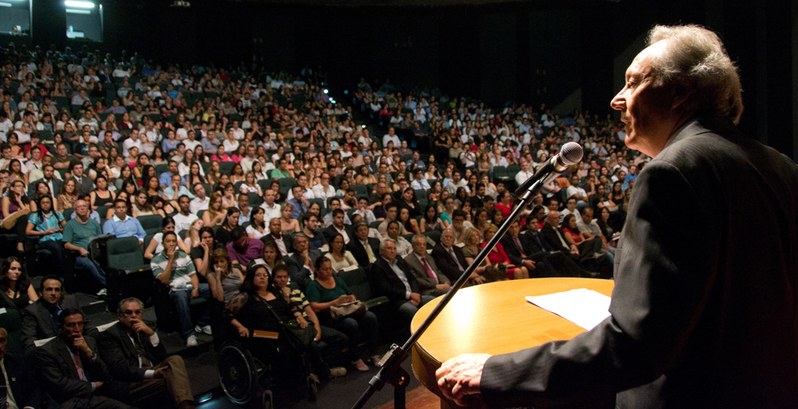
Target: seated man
301	262
72	372
40	319
393	278
283	242
363	247
430	280
78	232
243	249
337	226
122	225
134	353
449	258
21	389
174	268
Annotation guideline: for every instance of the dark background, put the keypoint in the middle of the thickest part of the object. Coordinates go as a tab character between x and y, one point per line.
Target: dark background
569	54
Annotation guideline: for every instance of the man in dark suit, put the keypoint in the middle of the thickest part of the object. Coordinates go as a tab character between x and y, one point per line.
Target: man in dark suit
549	261
517	252
703	313
337	227
448	257
283	242
301	263
392	277
430	280
40	319
48	173
364	248
83	183
134	353
19	388
556	239
72	372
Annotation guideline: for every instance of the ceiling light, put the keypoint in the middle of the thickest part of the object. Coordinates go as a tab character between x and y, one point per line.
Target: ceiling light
79	4
78	11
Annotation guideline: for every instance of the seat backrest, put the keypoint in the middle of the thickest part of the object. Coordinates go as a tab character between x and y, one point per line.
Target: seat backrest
124	253
151	223
358	282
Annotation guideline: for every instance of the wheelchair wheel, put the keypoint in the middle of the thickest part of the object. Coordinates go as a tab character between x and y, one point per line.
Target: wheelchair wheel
239	373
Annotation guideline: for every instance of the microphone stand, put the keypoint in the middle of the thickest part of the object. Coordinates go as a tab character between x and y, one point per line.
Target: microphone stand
391	370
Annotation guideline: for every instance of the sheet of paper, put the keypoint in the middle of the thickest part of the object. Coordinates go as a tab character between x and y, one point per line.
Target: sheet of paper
585	308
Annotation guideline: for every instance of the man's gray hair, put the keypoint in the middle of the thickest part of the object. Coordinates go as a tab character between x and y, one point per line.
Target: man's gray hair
694	60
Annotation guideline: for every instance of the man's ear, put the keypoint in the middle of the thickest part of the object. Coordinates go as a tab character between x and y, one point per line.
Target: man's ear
680	94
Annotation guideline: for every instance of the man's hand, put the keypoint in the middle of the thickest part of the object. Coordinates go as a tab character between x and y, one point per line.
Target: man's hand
140	327
460	377
80	344
83	252
415	299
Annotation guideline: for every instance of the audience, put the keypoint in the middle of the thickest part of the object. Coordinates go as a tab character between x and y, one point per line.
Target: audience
441	166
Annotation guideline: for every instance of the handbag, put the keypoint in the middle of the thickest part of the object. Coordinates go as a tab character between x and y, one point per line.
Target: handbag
304	336
352	309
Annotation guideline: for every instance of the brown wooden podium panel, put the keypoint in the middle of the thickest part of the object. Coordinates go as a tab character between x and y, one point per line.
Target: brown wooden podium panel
494	319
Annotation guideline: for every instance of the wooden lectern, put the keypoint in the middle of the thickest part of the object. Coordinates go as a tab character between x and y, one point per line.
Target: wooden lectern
494	319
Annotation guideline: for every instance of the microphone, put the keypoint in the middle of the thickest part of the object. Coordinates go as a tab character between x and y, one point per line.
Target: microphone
570	154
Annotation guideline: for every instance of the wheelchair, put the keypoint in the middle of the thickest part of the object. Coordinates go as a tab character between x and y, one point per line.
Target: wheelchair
255	380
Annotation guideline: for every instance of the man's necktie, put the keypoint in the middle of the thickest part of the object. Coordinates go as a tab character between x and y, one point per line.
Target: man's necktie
430	273
142	353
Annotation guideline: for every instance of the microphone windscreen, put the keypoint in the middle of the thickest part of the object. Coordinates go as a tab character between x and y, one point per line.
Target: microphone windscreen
571	153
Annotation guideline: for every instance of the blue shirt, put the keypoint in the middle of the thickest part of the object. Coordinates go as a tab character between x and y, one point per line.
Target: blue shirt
165	179
129	227
49	221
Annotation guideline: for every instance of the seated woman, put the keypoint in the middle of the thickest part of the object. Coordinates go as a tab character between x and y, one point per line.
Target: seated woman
47	225
328	290
584	241
498	256
259	306
224	281
17	290
155	245
338	255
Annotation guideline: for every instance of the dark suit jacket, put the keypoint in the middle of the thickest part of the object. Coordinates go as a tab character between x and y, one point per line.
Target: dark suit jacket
446	264
85	186
425	283
58	374
357	249
550	234
23	384
57	185
299	274
37	323
512	252
330	231
385	282
117	350
287	239
703	313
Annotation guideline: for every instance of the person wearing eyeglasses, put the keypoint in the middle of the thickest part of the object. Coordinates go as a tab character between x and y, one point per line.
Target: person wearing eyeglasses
134	353
40	319
72	372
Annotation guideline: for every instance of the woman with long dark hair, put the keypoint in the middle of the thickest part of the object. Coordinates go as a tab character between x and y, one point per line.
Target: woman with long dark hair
17	291
47	225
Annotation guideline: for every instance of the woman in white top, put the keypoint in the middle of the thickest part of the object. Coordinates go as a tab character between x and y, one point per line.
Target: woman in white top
257	225
156	246
341	258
